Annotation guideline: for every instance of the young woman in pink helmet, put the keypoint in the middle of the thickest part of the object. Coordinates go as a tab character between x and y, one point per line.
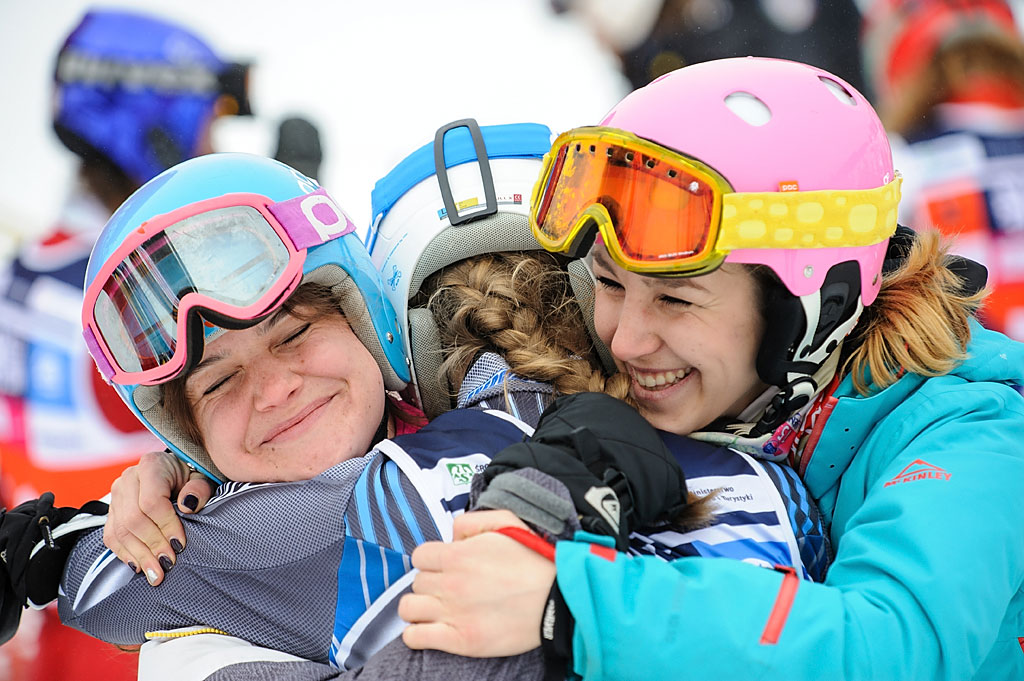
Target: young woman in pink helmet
755	286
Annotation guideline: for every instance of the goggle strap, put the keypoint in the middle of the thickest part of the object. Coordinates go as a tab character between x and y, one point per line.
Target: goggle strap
441	170
106	370
809	219
312	219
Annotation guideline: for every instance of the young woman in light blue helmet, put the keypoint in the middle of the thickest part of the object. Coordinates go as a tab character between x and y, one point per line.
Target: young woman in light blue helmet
236	311
219	244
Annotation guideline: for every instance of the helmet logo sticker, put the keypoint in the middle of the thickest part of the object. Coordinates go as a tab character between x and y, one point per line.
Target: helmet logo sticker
396	276
322	214
465	203
78	67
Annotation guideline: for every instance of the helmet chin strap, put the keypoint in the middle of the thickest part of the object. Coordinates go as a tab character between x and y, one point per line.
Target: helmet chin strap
755	438
795	395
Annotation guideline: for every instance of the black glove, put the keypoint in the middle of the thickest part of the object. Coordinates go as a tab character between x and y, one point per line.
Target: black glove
619	473
35	540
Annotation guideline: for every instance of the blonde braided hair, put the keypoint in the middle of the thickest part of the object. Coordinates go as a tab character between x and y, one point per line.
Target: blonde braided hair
520	306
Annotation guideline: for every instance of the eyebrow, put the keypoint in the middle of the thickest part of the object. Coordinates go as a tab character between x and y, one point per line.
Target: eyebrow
262	329
270	322
602	258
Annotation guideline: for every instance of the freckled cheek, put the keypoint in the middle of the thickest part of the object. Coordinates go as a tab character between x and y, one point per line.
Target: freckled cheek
225	427
605	322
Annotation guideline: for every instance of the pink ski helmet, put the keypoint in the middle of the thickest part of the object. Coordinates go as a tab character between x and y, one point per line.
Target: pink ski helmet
796	147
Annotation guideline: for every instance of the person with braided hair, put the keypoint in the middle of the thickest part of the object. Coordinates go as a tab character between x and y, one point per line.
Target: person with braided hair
478	315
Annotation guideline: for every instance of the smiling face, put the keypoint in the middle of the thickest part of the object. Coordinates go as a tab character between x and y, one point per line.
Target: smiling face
688	344
286	399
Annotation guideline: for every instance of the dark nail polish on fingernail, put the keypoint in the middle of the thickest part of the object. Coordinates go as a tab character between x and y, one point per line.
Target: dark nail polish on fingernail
133	566
191	501
176	545
165	563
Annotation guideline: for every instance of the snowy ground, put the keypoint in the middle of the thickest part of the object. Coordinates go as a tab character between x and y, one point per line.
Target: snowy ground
377	77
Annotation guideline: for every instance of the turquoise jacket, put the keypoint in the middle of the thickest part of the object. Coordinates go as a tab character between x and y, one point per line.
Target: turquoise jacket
923	484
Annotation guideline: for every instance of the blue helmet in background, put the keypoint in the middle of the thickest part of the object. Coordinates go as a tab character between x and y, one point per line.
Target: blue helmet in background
137	92
340	262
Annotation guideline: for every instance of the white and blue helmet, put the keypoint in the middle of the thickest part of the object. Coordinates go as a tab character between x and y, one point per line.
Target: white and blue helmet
465	194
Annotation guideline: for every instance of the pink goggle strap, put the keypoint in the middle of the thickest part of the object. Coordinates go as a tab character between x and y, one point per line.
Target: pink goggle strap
101	359
312	219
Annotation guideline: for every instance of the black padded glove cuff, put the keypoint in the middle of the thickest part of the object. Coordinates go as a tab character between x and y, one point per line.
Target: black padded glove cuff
36	538
556	629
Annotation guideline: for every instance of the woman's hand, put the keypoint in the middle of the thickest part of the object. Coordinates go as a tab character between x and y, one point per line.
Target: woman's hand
142	527
482	595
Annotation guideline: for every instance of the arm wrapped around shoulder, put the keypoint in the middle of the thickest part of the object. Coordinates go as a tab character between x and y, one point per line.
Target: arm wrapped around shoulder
618	472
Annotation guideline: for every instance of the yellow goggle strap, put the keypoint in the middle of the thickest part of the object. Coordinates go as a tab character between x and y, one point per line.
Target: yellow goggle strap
810	219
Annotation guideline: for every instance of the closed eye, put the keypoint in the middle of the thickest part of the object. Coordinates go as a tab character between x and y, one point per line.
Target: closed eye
298	334
671	300
606	282
216	385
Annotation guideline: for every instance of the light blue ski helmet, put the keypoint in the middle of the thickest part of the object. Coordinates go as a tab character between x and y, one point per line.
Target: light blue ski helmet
145	262
137	91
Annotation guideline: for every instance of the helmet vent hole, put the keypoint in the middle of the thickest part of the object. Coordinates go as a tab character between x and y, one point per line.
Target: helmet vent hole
749	108
838	91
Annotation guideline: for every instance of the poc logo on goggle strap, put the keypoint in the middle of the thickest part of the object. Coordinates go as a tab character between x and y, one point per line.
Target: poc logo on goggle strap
324	215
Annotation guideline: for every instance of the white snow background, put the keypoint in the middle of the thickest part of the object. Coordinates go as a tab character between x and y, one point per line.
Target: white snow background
377	77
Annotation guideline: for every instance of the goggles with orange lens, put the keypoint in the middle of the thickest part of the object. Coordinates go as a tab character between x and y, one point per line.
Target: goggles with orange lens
661	212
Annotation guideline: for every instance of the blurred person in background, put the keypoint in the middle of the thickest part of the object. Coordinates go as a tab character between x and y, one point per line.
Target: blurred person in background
653	37
948	78
133	95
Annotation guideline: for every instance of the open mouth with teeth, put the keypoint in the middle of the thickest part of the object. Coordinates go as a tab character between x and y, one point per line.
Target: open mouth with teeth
658	380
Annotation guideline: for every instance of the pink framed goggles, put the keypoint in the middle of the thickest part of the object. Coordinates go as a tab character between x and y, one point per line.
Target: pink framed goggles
236	256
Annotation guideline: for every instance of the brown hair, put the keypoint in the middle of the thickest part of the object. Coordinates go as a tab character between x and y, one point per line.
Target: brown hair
918	323
522	306
910	107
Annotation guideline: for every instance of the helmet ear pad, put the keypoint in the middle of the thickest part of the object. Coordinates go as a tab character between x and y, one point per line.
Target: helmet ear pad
437	395
787	350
